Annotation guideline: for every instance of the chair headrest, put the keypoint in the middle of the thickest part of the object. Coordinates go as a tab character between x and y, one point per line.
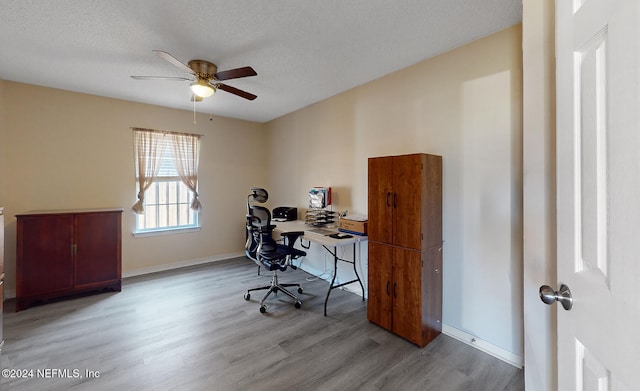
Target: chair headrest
259	194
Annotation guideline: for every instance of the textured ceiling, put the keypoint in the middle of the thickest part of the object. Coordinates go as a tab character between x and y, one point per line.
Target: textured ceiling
303	51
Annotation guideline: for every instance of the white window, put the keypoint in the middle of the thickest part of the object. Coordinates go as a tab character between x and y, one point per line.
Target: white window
167	202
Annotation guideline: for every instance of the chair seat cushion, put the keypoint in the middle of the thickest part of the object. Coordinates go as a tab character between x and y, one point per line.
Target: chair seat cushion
273	258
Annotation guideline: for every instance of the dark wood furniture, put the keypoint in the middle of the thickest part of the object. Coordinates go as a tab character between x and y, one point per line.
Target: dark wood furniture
66	253
405	245
1	278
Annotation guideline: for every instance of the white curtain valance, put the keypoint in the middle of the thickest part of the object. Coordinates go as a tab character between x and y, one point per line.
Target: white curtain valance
150	146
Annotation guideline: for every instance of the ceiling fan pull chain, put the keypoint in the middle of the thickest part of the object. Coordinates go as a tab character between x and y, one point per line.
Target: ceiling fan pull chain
194	112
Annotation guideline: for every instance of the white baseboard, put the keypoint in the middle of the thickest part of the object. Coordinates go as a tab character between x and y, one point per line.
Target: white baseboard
9	294
480	344
177	265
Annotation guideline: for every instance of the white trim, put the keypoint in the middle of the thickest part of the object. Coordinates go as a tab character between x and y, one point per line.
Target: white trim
480	344
10	294
162	232
180	264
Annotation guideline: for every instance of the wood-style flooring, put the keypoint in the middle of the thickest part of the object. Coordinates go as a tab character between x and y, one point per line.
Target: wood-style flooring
191	329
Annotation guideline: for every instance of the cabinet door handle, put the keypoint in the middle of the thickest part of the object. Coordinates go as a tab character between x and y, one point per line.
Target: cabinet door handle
394	290
395	198
387	288
387	199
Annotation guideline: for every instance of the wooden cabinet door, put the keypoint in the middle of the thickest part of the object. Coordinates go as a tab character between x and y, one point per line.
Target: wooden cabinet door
1	250
44	254
97	248
407	294
380	194
407	201
380	284
432	293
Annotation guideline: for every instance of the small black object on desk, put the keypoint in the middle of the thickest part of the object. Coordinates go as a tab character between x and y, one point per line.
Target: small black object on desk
340	236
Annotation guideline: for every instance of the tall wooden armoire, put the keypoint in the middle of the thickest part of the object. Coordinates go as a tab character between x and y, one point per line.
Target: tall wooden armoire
405	245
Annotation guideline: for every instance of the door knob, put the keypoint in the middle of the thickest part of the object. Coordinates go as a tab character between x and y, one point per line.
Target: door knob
549	296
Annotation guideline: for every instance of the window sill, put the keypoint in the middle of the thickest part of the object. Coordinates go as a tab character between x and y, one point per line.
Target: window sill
163	232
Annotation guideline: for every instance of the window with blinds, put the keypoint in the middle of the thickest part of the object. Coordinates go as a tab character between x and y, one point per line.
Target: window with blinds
167	202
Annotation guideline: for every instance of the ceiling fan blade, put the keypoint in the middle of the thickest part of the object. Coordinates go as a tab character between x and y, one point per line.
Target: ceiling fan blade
235	73
169	58
235	91
160	78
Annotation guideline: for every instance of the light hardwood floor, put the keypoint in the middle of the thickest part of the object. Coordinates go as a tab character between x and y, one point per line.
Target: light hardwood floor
191	329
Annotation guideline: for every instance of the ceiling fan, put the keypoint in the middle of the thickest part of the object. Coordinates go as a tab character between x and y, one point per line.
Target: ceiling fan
205	78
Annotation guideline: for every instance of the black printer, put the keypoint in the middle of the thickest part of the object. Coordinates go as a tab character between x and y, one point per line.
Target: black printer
285	213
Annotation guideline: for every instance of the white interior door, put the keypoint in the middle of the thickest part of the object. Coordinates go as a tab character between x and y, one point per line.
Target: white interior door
598	193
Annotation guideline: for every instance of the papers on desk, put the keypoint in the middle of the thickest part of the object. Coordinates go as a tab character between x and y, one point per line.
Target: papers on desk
356	217
321	231
319	217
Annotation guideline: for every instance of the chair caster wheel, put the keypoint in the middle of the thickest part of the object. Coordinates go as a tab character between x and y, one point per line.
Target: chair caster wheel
247	296
300	290
263	309
298	304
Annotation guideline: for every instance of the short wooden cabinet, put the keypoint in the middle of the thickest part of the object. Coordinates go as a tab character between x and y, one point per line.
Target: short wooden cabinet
405	245
65	253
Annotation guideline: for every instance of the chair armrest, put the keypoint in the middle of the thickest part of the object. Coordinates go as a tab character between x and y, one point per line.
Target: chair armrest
292	233
290	241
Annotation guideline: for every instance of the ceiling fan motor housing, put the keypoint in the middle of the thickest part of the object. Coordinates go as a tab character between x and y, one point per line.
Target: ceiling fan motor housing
207	77
203	69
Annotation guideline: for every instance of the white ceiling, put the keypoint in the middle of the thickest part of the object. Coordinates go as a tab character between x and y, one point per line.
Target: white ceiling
303	51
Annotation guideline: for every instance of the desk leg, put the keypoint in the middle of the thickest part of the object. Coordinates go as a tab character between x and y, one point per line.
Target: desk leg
335	273
333	279
355	269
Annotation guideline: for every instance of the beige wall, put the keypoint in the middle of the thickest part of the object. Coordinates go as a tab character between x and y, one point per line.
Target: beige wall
3	143
70	150
538	38
465	105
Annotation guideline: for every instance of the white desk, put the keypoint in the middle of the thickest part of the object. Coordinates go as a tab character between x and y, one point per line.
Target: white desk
327	242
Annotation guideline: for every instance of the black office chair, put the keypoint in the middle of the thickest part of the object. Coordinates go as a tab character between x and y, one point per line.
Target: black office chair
265	251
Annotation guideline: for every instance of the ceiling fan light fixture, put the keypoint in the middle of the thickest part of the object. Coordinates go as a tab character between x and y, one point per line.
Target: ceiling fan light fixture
202	88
